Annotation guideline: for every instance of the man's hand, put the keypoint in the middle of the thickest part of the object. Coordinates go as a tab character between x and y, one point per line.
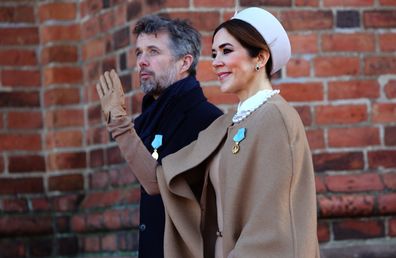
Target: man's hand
111	94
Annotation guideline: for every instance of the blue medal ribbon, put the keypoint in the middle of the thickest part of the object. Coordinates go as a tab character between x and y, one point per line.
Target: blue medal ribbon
240	135
157	142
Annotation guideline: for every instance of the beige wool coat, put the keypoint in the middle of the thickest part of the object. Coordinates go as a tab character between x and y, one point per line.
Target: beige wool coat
267	189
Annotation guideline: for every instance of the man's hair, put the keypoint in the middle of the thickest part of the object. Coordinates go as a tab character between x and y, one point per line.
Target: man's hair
184	39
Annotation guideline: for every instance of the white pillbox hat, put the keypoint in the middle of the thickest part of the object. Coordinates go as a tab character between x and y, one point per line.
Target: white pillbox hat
272	31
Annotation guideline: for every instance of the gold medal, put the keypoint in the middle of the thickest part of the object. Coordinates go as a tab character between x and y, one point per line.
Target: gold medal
155	154
235	148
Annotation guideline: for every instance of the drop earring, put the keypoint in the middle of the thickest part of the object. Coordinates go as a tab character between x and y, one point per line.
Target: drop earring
257	67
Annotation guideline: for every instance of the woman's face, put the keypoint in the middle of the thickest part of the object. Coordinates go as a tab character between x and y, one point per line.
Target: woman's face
232	64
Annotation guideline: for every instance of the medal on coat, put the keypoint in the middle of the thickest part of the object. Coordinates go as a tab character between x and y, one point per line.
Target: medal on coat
156	143
238	137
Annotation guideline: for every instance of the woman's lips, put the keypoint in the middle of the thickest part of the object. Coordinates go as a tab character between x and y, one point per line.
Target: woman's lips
223	75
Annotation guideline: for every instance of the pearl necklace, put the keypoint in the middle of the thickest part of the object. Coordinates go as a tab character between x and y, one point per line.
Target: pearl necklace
251	104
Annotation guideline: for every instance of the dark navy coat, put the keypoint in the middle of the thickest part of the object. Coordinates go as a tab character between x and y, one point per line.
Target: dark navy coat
179	114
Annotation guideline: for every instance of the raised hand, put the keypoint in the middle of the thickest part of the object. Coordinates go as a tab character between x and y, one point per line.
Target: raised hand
111	94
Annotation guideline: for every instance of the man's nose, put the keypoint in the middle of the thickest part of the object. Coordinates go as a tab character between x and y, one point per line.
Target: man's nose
142	60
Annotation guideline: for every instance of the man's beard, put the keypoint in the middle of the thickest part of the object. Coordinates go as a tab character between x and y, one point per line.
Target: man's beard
155	85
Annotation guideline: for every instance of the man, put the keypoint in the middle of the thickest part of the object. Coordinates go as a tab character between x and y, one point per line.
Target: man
174	109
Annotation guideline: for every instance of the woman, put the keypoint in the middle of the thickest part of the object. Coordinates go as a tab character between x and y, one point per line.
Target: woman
245	187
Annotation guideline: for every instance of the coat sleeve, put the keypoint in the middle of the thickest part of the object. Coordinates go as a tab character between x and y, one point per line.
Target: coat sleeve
278	214
139	160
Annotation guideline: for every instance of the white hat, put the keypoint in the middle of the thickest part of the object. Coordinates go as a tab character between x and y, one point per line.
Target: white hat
273	33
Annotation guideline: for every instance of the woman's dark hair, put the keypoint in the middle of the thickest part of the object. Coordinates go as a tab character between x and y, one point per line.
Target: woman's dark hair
249	38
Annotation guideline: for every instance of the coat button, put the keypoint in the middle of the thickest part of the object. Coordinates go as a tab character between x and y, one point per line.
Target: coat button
142	227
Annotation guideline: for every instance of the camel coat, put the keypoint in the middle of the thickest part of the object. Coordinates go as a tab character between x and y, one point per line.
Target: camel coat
267	189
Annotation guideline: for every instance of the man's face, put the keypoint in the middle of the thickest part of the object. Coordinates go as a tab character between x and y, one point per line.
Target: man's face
156	64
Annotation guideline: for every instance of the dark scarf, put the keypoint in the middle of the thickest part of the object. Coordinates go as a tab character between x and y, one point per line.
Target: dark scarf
158	114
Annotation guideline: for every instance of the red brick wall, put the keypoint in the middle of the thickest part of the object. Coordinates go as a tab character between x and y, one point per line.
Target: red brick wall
65	190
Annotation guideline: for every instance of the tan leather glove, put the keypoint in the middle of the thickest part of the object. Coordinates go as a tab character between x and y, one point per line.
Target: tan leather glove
111	94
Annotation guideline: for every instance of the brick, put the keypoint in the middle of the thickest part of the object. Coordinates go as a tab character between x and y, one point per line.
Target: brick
17	14
25	120
66	183
343	114
12	248
19	99
219	3
15	205
326	66
53	75
66	203
387	203
390	89
319	184
53	33
72	160
387	2
390	135
26	163
1	165
306	20
338	161
134	9
59	54
40	204
205	71
21	186
114	156
353	89
78	223
346	205
109	242
315	139
266	3
353	137
97	136
304	3
390	180
95	115
323	232
15	141
18	57
379	19
387	42
298	67
121	38
137	101
215	96
67	246
109	63
64	139
351	42
40	247
354	183
305	114
201	20
112	219
358	229
351	3
382	159
90	28
392	227
384	112
94	222
128	240
63	224
57	11
19	36
110	198
18	78
304	43
120	15
61	96
91	243
348	19
94	48
99	180
122	58
302	91
64	118
106	21
379	65
90	7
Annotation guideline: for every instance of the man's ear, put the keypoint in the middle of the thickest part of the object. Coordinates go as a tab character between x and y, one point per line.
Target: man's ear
186	63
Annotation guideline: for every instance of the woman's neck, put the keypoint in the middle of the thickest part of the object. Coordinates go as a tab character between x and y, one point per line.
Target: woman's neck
256	85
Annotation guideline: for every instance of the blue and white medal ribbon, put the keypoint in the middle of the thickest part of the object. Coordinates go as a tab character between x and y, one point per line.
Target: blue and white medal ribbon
238	137
156	143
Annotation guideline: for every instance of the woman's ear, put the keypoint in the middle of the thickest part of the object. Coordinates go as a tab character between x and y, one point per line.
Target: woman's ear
263	58
186	62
